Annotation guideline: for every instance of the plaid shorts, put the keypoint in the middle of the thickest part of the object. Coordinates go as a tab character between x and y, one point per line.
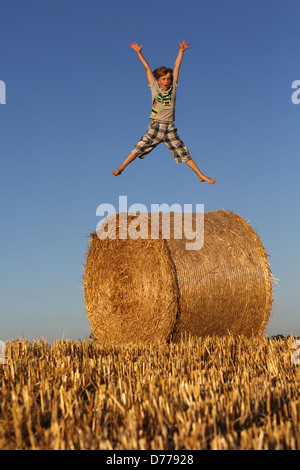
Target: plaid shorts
162	132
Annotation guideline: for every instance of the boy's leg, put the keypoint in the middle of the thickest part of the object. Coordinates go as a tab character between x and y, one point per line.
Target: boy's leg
126	162
201	176
147	143
181	153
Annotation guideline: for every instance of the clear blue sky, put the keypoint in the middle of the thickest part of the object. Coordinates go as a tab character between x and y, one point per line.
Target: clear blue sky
77	101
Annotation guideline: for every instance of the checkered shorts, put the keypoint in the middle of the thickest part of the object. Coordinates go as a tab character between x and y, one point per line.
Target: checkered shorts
162	132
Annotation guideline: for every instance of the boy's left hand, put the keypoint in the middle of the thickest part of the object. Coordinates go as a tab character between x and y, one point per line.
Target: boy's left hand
184	45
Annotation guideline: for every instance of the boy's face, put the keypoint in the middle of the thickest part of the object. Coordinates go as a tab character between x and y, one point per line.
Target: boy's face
165	81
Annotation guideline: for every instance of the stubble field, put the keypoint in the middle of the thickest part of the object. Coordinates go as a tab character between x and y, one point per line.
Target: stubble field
209	393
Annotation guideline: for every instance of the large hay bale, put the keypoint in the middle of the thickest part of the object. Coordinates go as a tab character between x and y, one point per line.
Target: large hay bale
156	289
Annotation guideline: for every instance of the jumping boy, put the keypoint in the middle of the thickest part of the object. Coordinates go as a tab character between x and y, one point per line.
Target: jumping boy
163	90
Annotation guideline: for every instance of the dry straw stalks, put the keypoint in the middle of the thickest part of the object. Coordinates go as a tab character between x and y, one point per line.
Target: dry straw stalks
200	393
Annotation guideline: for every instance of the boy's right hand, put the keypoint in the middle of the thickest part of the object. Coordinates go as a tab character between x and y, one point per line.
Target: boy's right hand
138	50
135	47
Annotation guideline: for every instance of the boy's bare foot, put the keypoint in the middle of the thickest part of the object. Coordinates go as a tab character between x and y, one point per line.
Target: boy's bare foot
207	179
199	173
118	171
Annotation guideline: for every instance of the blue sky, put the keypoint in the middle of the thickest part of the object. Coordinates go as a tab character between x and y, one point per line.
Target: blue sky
77	101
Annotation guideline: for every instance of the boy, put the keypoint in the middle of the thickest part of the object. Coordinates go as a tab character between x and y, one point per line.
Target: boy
163	89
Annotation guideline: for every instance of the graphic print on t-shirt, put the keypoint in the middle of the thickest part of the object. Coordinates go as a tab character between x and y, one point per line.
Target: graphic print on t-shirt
164	99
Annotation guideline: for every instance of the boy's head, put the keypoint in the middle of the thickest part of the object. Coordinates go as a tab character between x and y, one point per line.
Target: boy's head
164	77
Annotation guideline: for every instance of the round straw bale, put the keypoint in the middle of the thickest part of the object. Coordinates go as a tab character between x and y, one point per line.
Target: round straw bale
143	284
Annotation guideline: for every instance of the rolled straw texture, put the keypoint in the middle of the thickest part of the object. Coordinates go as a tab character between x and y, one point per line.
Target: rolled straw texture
147	289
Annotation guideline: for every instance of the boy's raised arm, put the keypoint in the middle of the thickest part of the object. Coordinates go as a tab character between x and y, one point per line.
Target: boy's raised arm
138	50
182	47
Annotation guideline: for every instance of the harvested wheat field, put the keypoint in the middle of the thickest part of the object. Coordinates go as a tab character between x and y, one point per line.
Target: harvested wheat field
199	393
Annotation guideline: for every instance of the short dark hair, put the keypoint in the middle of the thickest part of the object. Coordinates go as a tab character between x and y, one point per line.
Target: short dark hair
161	71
